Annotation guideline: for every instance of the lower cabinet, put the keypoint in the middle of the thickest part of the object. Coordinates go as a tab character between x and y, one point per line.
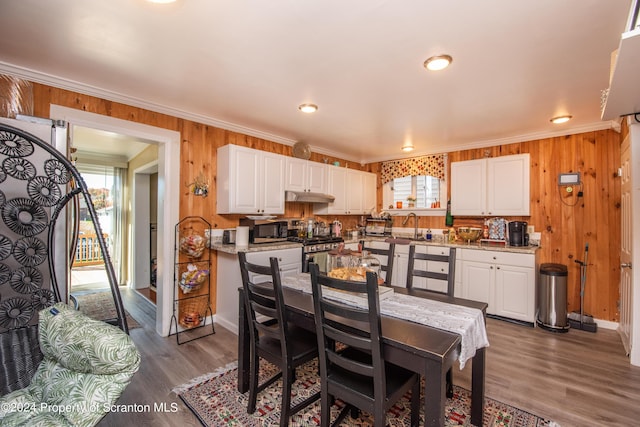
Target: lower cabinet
229	279
504	280
401	264
289	260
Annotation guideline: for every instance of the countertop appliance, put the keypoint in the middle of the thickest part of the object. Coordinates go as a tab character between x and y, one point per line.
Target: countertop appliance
378	227
229	236
266	230
316	249
518	235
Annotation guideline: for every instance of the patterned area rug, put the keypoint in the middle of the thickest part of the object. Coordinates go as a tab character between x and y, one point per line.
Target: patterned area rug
100	306
215	400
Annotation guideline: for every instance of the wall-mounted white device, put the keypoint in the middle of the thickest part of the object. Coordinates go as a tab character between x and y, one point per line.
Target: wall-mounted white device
569	178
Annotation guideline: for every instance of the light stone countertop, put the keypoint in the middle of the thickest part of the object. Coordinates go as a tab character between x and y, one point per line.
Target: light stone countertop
461	245
233	249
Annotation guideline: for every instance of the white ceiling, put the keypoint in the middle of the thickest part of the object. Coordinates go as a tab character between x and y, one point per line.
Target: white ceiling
108	145
246	65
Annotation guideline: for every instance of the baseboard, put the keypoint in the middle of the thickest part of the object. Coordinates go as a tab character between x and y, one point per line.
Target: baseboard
231	326
606	324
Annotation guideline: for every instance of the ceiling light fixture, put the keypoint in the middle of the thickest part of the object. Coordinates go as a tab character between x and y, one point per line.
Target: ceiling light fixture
162	1
560	119
438	62
407	147
308	108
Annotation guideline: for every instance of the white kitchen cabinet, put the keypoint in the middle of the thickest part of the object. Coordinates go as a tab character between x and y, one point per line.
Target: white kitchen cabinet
504	280
478	283
249	181
469	187
369	193
354	185
495	186
351	189
229	279
289	260
305	176
435	266
400	266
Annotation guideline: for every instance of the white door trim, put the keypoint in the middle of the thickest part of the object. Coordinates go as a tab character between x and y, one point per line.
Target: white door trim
634	134
168	192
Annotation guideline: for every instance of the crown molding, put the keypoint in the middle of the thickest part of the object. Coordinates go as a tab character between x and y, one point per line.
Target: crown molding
74	86
61	83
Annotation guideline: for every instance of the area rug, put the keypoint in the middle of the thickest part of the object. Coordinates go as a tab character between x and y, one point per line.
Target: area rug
100	306
215	400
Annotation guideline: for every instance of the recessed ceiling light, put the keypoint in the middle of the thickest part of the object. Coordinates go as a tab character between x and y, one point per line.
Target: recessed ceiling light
407	147
308	108
438	62
560	119
162	1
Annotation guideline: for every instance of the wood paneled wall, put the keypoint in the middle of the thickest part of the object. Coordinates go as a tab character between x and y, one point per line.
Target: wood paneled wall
566	223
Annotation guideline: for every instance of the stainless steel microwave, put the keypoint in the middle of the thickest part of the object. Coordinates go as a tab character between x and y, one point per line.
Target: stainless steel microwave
266	230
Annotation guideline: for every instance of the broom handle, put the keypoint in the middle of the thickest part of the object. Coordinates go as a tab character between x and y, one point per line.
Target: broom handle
583	270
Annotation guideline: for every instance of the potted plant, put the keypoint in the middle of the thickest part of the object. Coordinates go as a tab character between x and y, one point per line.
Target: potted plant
412	201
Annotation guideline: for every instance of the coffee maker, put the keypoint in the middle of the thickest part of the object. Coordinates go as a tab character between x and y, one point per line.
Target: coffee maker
518	233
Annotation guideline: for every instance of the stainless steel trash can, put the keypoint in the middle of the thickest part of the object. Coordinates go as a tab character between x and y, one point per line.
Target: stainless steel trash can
552	298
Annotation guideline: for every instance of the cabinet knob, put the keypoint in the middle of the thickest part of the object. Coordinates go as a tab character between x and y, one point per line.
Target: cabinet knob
497	268
494	258
491	268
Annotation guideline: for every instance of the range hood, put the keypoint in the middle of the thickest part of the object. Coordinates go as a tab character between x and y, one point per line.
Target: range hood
303	196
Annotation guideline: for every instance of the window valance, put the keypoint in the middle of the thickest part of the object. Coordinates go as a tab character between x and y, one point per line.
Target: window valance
432	165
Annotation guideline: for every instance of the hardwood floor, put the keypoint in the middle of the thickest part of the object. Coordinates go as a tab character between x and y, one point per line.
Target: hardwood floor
576	379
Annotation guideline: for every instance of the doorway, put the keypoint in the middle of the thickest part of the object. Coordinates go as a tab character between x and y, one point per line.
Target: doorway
105	184
168	159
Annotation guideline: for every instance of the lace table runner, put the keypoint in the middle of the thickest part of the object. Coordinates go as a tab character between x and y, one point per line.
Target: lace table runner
465	321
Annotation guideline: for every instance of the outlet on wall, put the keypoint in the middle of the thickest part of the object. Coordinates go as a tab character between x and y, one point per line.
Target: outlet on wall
530	229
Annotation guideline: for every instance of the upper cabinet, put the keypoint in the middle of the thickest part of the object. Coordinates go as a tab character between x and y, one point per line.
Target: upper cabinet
369	194
354	192
250	181
623	95
495	186
306	176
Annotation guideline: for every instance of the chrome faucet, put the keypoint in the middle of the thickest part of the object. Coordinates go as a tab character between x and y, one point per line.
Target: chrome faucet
415	223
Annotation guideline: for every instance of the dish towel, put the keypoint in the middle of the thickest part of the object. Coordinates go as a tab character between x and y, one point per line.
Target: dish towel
464	321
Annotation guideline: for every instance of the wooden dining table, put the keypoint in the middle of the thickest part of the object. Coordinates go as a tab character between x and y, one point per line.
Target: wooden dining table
429	351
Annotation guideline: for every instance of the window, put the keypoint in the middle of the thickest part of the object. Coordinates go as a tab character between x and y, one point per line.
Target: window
426	189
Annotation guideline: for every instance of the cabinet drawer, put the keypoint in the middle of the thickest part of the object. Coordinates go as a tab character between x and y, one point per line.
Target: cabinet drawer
438	250
429	249
285	256
506	258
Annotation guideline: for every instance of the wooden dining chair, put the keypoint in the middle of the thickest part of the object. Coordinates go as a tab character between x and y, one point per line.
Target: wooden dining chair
272	337
386	264
445	271
355	371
